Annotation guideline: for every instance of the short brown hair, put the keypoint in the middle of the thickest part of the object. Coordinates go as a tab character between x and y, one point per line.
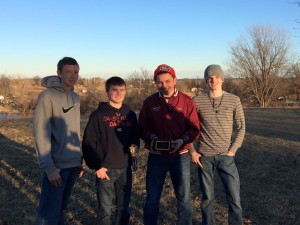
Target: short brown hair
66	61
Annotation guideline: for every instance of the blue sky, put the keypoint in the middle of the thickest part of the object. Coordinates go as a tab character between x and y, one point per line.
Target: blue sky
118	37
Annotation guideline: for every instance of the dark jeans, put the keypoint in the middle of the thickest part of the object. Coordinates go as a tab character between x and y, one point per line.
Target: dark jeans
157	168
55	199
119	186
230	178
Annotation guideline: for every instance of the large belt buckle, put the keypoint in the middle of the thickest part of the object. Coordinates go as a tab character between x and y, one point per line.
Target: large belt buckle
161	145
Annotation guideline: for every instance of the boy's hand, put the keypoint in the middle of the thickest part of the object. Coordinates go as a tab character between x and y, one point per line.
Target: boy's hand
55	178
80	172
196	158
229	153
176	145
101	173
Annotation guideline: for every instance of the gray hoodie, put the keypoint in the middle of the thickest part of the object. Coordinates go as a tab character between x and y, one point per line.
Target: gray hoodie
56	124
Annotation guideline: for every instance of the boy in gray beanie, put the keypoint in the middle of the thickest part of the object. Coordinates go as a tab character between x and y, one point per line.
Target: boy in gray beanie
213	70
215	149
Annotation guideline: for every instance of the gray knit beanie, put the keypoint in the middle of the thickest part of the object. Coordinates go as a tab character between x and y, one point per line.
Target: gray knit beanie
213	70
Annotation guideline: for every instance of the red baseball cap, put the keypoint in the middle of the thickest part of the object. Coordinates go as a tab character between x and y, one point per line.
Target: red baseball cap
164	68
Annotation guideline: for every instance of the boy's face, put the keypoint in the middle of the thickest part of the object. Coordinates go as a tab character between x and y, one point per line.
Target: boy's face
69	75
165	83
214	83
116	94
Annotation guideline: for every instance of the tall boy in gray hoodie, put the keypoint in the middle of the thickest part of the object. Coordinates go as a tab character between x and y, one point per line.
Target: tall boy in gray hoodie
56	135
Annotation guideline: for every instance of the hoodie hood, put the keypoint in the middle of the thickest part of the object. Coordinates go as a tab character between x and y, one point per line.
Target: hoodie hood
53	81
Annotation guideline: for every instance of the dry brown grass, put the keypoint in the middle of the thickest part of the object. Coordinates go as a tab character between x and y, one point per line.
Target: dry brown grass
268	163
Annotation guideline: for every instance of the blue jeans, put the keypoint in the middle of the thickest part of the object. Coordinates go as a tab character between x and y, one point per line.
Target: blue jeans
157	168
54	200
230	178
119	185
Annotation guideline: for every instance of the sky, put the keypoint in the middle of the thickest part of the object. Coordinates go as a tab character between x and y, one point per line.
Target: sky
117	37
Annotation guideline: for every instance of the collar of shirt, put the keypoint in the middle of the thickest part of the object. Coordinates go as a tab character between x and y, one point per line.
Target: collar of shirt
174	95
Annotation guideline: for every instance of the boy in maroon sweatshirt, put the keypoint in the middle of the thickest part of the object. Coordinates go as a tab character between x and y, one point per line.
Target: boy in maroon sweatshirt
169	124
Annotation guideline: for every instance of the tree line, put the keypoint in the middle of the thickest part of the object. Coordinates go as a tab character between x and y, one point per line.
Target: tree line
262	71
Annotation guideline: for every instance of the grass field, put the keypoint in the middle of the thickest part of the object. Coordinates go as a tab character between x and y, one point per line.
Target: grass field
268	163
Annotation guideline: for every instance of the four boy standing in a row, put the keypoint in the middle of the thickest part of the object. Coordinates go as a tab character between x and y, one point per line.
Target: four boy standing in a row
168	124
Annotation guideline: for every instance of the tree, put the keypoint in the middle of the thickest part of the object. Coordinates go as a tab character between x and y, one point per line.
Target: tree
4	85
295	82
262	60
140	85
37	80
89	101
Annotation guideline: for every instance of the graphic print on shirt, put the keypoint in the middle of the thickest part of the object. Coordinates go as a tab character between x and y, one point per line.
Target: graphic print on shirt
117	120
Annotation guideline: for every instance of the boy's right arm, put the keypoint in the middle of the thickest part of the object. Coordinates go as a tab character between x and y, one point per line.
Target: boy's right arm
42	133
90	143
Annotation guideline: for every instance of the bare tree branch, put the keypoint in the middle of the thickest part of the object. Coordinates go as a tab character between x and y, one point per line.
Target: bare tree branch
262	59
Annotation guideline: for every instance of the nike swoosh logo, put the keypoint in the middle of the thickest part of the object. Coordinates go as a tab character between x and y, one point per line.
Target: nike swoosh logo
67	110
